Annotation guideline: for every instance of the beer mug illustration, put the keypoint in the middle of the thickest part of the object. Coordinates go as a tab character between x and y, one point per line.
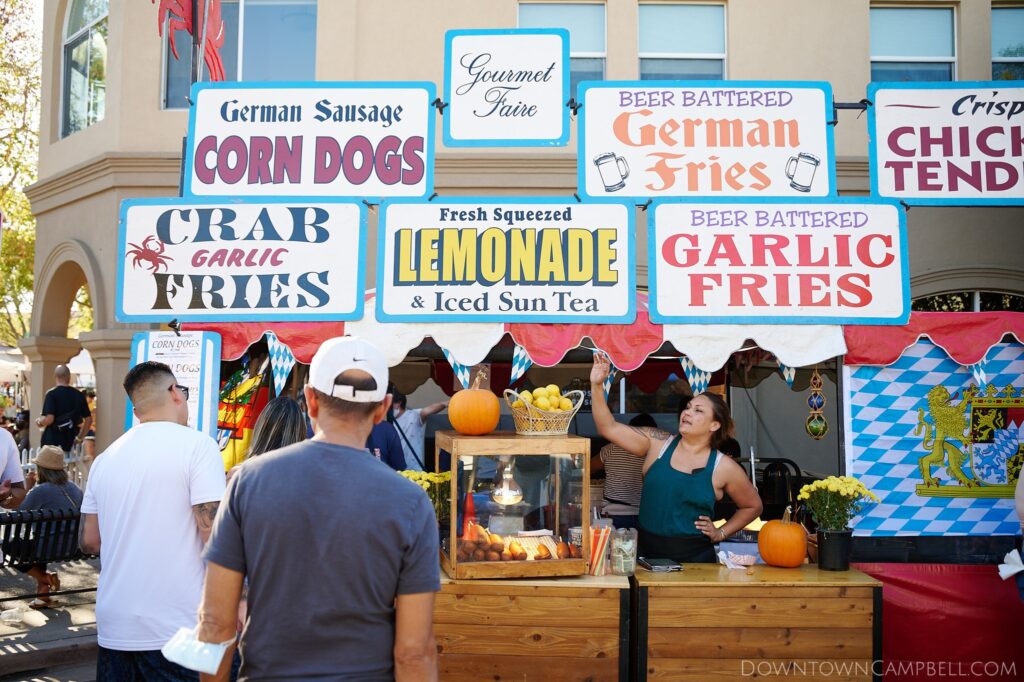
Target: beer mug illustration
613	169
800	170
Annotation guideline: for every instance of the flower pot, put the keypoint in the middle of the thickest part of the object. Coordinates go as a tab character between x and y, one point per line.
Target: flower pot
834	549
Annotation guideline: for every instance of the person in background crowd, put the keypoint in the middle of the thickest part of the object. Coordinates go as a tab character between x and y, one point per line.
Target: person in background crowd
48	488
89	440
280	424
683	476
148	510
411	426
65	418
12	480
385	444
624	475
22	434
346	586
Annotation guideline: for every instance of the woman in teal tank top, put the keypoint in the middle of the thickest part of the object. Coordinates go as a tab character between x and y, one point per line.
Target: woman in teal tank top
683	476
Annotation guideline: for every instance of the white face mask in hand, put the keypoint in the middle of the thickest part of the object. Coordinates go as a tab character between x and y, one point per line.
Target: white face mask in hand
188	652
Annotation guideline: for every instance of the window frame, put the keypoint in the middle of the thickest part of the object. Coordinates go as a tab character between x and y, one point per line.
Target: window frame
603	56
1003	60
724	56
66	41
953	61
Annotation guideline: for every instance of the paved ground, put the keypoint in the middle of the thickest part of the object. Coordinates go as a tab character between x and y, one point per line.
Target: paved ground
57	644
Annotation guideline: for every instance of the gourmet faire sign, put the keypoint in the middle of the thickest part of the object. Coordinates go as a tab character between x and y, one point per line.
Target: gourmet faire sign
948	143
505	260
814	262
247	260
687	139
311	139
506	87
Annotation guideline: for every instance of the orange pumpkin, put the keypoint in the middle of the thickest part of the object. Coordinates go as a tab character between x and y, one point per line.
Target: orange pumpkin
782	543
474	411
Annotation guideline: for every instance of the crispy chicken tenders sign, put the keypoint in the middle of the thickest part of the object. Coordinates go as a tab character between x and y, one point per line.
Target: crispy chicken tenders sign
240	260
313	139
505	260
814	262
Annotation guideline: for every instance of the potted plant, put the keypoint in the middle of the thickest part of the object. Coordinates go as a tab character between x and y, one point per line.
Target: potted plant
832	502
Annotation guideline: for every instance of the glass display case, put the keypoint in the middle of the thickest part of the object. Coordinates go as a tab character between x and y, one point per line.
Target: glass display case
518	505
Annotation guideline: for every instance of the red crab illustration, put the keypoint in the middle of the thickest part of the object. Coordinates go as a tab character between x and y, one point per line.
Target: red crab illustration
149	255
178	14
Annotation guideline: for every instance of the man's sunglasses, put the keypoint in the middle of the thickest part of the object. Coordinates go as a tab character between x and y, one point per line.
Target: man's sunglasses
184	389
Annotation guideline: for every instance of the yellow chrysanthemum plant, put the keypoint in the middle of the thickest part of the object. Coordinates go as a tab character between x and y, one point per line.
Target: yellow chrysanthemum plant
834	501
437	487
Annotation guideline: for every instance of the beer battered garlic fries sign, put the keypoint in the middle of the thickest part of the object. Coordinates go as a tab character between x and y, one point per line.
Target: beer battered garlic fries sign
280	259
814	262
505	260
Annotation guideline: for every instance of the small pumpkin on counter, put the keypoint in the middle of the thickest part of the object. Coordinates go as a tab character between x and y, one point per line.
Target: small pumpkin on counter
782	542
474	411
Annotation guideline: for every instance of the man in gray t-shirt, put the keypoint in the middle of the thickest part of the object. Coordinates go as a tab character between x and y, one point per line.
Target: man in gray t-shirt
340	553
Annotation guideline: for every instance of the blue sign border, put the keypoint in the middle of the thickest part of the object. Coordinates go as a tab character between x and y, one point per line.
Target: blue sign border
628	318
209	378
873	168
581	128
561	141
429	149
187	202
653	261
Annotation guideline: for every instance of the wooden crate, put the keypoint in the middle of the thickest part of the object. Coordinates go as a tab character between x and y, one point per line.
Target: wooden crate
555	629
710	623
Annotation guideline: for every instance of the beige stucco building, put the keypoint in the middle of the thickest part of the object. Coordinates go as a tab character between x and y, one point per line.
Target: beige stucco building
106	134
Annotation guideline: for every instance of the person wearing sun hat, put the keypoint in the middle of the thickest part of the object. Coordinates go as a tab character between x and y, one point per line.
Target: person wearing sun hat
53	491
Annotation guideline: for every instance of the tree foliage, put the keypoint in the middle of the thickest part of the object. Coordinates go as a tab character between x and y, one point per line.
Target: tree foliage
19	150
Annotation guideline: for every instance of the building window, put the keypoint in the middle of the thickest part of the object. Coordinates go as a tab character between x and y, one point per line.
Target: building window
969	301
1008	44
682	42
264	40
84	92
586	26
912	44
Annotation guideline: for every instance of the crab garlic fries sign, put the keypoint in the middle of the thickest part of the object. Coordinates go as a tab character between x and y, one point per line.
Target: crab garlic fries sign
831	261
948	143
505	260
311	139
644	139
245	260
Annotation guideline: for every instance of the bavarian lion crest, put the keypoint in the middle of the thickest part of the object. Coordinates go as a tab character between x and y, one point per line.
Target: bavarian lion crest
974	446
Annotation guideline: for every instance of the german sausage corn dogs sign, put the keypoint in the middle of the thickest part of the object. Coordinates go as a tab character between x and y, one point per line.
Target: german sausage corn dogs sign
833	261
506	87
948	143
505	260
686	139
311	139
246	260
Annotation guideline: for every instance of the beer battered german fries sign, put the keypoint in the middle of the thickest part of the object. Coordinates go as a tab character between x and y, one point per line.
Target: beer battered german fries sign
505	260
834	261
311	139
948	143
687	139
245	260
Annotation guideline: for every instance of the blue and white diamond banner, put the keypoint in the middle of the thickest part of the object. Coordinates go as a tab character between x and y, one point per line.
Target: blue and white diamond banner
942	454
520	363
461	371
698	378
281	361
788	373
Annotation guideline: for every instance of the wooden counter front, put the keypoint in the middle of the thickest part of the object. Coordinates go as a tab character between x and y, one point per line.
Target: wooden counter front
708	622
573	628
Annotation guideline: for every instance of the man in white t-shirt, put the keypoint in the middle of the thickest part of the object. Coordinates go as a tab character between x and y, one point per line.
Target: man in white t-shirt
411	426
12	480
148	512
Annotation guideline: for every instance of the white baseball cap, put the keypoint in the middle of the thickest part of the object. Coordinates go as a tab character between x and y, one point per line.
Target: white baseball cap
341	354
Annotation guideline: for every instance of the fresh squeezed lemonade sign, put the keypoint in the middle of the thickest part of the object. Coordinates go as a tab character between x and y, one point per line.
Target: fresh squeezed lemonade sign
506	87
248	261
816	262
948	143
506	260
688	139
316	139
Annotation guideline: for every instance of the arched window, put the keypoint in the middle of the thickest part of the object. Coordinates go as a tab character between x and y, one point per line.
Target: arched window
84	92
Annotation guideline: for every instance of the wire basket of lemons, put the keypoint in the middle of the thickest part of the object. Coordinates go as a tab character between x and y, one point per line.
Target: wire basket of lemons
544	411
